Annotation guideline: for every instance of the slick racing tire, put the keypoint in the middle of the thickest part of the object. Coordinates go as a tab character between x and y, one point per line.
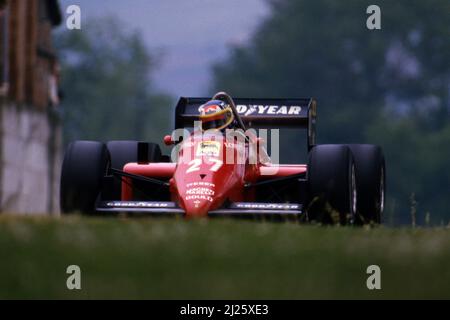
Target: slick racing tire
126	151
370	182
84	166
331	185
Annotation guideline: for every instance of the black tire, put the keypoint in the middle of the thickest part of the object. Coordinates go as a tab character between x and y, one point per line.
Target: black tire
85	164
331	185
370	182
126	151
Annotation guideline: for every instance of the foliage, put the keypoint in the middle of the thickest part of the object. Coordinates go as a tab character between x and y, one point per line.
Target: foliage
107	88
388	86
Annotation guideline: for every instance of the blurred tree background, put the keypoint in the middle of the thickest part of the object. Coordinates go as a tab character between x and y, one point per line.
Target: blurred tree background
107	86
389	87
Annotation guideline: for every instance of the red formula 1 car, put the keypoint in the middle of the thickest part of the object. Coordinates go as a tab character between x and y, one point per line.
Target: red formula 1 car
222	172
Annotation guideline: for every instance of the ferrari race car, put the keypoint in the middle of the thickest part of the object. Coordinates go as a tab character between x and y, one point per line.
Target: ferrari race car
216	173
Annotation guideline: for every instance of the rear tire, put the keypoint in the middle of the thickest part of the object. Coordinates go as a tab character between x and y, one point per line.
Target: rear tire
370	182
331	185
126	151
84	166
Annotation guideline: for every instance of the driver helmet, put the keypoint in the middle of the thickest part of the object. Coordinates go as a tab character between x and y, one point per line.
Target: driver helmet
215	114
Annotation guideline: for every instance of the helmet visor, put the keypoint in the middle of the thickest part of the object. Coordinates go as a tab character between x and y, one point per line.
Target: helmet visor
219	120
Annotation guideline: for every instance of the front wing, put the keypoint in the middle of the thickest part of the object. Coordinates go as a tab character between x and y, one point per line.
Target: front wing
237	209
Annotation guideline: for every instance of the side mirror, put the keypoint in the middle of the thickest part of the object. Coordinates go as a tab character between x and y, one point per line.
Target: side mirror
168	140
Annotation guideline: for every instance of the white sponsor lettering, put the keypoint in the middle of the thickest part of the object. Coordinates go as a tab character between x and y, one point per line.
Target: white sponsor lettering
200	183
272	110
199	197
137	204
206	191
267	206
295	110
282	110
262	109
247	110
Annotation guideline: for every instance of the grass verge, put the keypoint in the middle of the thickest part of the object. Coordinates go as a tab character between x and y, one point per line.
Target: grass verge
217	259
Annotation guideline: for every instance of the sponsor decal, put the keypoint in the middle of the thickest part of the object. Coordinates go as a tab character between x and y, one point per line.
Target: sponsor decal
200	183
138	204
208	148
199	197
252	109
270	206
206	191
200	191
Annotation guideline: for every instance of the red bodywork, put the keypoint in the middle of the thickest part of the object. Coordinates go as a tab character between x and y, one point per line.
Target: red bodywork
210	172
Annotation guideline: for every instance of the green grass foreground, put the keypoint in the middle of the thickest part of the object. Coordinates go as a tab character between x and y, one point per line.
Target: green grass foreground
217	259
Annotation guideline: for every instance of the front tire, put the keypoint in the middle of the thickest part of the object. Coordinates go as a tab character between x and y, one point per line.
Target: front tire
84	166
331	185
370	182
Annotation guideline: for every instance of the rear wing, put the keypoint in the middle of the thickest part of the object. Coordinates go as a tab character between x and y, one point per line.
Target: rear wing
259	113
